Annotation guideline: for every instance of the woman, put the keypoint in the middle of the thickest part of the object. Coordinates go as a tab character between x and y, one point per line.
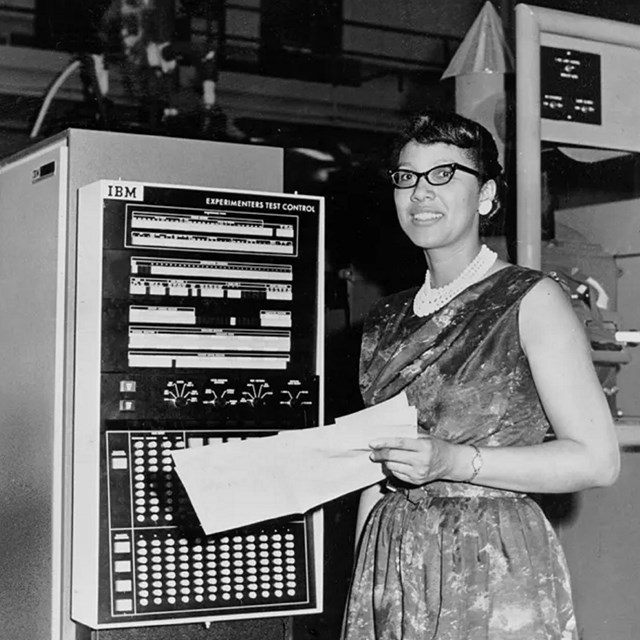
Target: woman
494	358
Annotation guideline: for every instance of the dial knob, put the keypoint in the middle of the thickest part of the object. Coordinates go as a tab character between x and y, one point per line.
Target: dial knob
180	394
257	393
219	394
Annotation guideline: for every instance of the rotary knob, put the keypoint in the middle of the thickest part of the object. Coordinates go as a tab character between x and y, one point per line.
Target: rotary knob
180	394
295	395
257	393
219	394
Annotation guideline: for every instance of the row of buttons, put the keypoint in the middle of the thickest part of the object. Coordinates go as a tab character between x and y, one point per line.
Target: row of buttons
168	572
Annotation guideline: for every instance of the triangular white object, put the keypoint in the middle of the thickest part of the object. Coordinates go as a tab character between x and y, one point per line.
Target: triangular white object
484	48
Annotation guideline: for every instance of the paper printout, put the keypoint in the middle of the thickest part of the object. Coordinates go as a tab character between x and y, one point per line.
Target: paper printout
234	484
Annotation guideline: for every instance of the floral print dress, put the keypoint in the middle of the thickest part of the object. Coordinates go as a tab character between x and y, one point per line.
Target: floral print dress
450	560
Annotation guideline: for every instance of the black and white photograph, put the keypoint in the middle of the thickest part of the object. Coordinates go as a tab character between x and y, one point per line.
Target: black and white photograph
320	319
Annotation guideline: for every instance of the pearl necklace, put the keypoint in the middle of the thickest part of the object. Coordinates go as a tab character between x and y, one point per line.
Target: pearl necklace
428	300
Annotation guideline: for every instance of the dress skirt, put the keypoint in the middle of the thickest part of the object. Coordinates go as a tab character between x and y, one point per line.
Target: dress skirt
452	561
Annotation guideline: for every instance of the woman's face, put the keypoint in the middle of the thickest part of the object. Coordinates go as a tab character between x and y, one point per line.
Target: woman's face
444	215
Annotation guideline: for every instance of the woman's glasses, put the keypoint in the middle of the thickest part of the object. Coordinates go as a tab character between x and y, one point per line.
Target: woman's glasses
437	176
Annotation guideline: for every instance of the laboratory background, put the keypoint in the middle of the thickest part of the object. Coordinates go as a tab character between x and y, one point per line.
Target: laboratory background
195	219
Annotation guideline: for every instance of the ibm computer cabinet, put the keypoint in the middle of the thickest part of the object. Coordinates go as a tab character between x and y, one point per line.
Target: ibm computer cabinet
157	293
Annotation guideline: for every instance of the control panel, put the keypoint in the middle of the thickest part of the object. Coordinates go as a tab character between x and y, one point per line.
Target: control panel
198	322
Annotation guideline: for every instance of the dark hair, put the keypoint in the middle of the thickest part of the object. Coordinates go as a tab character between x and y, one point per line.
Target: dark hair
431	127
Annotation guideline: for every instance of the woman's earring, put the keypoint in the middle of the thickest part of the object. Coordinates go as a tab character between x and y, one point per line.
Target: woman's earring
485	207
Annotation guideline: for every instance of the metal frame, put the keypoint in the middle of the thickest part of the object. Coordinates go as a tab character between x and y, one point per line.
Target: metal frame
531	22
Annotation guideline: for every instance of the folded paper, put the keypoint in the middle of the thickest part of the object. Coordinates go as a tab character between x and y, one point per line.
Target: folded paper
242	482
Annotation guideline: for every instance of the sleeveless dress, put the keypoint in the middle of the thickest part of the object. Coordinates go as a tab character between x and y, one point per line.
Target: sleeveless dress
451	560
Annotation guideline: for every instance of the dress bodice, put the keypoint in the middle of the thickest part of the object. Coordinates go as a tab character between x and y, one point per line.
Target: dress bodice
462	367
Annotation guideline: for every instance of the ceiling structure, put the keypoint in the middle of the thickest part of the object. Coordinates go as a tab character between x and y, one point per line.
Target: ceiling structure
339	63
330	91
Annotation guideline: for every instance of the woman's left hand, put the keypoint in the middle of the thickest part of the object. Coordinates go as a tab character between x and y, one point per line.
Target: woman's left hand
413	460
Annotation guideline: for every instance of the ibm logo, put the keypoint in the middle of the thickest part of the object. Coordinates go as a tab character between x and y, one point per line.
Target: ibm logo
124	191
